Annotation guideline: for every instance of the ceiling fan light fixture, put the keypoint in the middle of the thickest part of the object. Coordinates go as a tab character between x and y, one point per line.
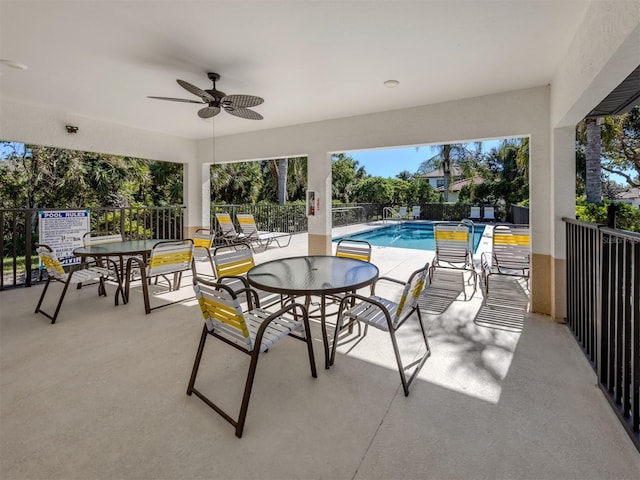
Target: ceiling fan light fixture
215	100
391	83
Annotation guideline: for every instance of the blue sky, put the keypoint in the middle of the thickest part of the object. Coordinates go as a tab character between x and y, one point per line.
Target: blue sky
389	162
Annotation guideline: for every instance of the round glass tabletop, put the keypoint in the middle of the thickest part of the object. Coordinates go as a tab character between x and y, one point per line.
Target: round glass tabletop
312	275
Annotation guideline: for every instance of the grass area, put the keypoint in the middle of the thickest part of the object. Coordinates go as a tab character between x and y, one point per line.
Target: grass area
7	264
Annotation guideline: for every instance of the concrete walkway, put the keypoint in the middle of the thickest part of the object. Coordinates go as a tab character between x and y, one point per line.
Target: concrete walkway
101	394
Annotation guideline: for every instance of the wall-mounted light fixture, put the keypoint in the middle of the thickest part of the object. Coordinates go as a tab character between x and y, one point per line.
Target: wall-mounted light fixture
71	129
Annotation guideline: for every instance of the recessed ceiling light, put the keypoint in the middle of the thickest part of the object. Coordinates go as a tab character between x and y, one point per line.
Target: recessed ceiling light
391	83
13	64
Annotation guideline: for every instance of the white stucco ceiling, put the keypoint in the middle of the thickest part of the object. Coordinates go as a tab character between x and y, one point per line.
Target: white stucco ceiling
309	60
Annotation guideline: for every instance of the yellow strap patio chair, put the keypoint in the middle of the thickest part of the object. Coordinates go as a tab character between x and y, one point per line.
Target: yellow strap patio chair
231	265
388	315
227	230
454	250
351	248
251	233
252	333
510	253
203	240
167	257
74	275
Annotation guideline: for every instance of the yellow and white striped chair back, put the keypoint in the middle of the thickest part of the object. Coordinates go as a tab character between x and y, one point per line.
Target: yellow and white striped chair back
226	224
51	263
236	263
223	315
202	240
247	224
511	247
357	249
411	294
452	242
170	256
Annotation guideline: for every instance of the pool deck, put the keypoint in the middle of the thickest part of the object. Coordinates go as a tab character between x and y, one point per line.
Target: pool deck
506	394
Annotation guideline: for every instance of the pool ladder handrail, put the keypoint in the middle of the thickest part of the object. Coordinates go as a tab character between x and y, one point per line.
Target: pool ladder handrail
388	213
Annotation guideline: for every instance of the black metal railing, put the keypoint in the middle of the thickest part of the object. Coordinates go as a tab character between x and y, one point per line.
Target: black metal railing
603	311
20	234
292	217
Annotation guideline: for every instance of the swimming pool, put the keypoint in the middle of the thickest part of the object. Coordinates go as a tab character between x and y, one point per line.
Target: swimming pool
416	235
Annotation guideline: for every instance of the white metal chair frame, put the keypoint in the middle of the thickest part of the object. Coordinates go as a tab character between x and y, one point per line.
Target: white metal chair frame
510	253
251	332
454	249
263	238
389	316
89	271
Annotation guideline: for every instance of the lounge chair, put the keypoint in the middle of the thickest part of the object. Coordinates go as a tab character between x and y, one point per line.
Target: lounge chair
475	213
387	315
228	233
510	253
251	233
415	212
402	212
251	332
454	250
489	214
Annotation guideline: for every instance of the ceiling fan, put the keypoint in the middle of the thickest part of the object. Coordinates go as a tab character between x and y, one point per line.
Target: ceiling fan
215	100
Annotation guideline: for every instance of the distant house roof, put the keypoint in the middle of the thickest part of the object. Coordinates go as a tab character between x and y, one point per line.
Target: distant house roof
629	194
457	186
438	173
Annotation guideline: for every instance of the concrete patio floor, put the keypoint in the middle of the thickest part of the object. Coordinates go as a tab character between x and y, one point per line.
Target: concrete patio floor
102	394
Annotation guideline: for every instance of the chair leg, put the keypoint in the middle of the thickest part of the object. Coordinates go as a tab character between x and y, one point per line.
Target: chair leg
244	407
196	363
309	342
396	351
46	286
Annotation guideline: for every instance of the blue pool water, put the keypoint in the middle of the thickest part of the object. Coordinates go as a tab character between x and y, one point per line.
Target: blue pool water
416	235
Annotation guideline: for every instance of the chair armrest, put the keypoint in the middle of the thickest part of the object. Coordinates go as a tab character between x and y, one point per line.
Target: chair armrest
387	279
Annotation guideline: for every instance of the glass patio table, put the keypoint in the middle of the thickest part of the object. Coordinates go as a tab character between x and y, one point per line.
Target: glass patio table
121	250
313	276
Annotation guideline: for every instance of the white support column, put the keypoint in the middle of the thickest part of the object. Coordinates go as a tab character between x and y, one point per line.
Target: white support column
563	166
319	181
196	197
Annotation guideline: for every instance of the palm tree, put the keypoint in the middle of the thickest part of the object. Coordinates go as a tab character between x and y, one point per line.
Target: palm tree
283	168
594	165
596	133
454	154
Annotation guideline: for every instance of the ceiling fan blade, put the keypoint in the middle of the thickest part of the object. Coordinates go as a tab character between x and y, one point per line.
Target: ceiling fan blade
208	112
207	97
176	99
244	113
242	101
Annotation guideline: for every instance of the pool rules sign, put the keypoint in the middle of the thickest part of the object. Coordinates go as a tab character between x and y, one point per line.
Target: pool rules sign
63	232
